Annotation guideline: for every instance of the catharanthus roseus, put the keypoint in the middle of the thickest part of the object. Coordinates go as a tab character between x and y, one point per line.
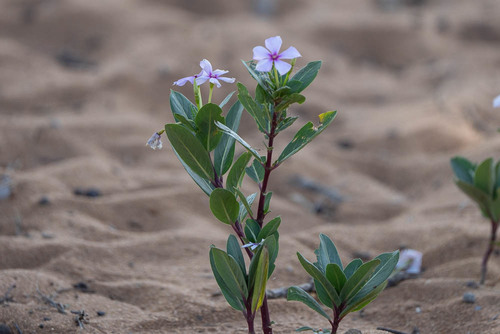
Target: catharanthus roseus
269	55
496	102
155	141
207	73
213	76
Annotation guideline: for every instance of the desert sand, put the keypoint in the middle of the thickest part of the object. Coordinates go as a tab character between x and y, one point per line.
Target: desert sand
83	85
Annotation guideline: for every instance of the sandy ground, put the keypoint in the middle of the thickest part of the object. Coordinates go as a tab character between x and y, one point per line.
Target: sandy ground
83	84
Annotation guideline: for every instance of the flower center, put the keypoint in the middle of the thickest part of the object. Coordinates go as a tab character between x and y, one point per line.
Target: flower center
275	56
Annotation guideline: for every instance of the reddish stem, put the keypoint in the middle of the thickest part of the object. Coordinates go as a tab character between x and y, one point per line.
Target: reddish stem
489	250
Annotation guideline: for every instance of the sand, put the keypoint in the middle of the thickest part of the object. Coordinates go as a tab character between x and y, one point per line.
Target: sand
83	84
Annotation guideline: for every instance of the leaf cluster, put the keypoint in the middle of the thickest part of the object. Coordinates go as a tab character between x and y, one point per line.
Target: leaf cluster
481	183
343	289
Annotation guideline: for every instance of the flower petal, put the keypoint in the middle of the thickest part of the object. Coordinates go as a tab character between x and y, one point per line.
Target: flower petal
225	79
496	102
206	66
260	53
201	79
264	65
282	67
218	72
182	82
215	81
290	53
274	44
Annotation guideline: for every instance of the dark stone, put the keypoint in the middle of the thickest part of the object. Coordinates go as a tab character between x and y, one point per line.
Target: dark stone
469	298
44	200
4	329
41	325
345	144
353	331
101	313
83	287
70	60
472	285
46	319
89	192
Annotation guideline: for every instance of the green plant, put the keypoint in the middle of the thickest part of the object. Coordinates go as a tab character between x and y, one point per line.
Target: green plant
342	290
482	184
204	141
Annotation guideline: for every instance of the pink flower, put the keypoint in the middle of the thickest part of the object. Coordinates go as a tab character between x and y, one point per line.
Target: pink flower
212	76
267	57
182	82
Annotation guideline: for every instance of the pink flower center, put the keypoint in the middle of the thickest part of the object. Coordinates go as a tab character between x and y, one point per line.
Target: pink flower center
275	56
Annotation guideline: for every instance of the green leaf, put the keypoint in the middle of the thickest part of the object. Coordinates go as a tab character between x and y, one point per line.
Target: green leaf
478	196
358	280
245	204
270	228
305	135
189	124
298	294
234	249
290	99
208	134
235	176
261	96
320	277
497	175
224	206
260	77
327	253
272	244
190	150
233	134
336	276
254	109
258	279
286	123
267	201
180	105
224	152
352	267
230	272
323	295
256	171
386	267
226	100
204	184
252	230
463	169
236	301
484	178
360	304
304	77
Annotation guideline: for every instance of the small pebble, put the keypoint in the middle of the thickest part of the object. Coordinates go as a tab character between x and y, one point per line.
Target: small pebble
4	329
469	298
46	319
41	325
47	235
82	286
101	313
472	285
353	331
89	192
5	186
477	308
418	309
44	200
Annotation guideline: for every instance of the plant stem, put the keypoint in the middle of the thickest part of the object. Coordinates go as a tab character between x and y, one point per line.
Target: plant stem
267	171
336	320
210	93
489	250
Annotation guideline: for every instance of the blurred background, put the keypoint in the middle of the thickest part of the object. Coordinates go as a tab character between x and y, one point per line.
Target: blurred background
84	84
